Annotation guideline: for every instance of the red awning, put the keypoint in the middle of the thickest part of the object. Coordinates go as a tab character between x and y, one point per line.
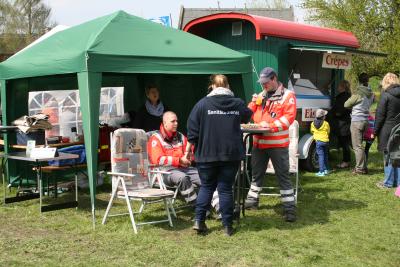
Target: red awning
265	26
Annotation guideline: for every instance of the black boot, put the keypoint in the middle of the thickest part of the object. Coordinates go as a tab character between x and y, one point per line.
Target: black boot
200	227
290	215
228	230
250	204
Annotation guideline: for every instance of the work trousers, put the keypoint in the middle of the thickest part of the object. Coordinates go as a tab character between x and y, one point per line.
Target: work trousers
189	181
221	176
280	161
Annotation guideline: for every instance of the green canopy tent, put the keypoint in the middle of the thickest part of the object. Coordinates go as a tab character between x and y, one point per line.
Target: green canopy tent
117	43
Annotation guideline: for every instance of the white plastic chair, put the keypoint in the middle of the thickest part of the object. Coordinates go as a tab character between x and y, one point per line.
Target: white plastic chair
130	176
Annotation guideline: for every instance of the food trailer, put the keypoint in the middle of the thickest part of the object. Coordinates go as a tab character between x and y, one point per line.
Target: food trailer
310	60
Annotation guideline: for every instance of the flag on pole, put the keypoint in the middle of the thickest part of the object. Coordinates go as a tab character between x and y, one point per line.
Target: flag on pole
164	20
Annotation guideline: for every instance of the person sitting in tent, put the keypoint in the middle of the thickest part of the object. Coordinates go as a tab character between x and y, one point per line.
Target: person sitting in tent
149	116
166	148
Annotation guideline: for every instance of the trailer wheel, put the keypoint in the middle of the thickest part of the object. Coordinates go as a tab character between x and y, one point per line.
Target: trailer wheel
311	162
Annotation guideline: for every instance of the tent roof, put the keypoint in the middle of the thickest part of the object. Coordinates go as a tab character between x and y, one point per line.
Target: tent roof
265	26
121	42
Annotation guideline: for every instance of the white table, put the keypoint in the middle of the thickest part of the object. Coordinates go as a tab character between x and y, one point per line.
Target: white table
38	165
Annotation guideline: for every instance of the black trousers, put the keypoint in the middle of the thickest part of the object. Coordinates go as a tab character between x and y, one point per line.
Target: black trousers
344	143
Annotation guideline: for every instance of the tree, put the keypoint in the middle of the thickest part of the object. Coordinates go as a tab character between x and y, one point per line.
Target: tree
375	23
21	22
273	4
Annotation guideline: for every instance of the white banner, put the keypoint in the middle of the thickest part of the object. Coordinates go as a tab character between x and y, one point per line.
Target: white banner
336	61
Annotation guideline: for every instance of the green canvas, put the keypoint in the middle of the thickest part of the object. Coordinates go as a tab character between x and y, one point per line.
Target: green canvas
124	43
117	43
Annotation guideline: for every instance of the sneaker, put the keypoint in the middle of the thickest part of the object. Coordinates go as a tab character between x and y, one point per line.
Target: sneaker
362	172
290	215
320	174
381	185
326	172
343	165
250	204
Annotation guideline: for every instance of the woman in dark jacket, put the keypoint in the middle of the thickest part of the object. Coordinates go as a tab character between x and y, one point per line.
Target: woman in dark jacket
387	116
214	129
343	120
149	116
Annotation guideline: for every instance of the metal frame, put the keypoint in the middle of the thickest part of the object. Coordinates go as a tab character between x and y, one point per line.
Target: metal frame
145	200
38	169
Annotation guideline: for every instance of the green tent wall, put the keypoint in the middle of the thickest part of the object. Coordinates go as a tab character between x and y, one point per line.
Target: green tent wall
119	49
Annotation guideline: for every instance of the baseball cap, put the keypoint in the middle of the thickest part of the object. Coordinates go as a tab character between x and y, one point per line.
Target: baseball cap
266	74
320	113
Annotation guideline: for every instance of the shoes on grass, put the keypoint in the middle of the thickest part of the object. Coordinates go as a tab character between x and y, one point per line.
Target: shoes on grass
250	205
381	185
200	227
228	230
362	172
290	215
320	174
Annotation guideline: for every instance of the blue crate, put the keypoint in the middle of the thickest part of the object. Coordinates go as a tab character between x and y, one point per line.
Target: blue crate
78	149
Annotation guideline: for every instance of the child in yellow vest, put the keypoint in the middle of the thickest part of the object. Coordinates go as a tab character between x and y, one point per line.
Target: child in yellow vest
320	130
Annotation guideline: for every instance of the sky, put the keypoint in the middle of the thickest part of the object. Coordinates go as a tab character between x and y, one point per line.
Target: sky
73	12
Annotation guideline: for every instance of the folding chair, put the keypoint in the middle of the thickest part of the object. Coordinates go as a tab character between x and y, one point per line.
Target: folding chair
130	176
157	177
293	160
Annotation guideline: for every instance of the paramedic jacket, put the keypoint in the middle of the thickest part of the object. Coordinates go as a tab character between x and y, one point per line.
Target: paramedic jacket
279	111
214	126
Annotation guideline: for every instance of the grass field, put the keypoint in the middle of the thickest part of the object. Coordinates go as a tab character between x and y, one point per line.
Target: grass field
343	220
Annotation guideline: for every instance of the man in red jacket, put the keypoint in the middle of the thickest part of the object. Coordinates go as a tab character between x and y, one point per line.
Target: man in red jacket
273	109
166	148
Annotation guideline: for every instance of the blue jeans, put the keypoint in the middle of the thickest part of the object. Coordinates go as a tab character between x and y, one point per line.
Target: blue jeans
220	176
322	152
392	175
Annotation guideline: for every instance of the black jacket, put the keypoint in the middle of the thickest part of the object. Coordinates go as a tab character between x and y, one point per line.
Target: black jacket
385	118
144	120
214	128
341	115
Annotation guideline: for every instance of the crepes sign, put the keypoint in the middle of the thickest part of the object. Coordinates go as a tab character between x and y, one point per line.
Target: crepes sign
336	61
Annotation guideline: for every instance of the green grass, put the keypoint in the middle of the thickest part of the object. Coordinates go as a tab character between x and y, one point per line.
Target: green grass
343	220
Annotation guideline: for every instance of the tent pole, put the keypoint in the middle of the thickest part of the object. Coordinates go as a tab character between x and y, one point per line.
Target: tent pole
89	93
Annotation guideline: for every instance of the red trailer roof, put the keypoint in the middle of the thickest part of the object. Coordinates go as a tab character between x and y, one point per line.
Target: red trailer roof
265	26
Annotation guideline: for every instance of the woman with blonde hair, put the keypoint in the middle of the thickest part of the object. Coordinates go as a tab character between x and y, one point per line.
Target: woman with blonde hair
214	129
387	116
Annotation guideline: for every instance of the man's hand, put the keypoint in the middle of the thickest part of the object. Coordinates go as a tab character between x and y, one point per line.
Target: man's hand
264	124
184	162
188	156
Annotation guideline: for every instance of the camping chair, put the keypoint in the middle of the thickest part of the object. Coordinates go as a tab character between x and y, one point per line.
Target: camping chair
157	176
130	179
293	160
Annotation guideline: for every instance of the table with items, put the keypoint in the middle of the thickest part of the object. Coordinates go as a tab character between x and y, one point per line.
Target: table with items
38	162
244	177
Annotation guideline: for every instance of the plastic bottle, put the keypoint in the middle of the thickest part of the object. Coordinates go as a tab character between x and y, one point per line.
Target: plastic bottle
74	135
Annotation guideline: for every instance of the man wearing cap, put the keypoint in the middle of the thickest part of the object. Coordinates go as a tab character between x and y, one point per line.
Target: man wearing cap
276	112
